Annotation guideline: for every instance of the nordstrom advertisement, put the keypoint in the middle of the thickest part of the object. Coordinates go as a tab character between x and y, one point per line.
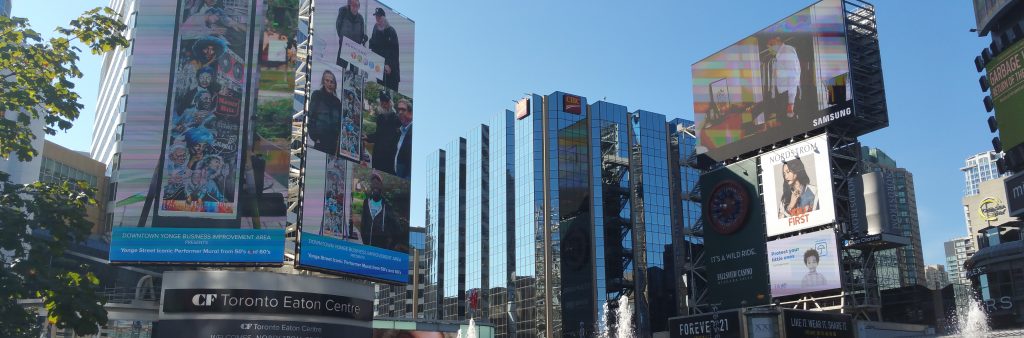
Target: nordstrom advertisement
358	137
804	263
203	172
734	237
797	184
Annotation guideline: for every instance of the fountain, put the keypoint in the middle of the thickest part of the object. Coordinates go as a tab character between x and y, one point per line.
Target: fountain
975	323
471	331
623	319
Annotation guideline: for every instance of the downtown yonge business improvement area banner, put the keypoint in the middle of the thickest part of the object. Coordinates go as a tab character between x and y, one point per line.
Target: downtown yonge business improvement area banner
203	168
358	158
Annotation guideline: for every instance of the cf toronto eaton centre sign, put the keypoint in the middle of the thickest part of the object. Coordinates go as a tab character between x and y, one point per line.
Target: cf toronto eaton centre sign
267	302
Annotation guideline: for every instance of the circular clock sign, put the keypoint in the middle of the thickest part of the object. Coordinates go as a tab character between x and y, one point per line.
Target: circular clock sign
727	207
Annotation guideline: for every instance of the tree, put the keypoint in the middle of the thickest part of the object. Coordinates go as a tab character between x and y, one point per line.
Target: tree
40	221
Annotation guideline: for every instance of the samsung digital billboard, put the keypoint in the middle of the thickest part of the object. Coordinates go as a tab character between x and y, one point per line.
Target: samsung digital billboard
797	184
203	169
804	263
358	137
734	237
790	78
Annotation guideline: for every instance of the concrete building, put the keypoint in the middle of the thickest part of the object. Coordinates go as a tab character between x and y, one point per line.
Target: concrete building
60	164
903	266
394	301
598	174
986	208
5	7
936	276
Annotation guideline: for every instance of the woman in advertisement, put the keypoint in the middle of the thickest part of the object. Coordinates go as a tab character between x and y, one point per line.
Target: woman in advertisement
798	195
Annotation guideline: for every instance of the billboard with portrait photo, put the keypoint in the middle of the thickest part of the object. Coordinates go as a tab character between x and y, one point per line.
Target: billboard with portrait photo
789	78
359	142
797	186
203	167
804	263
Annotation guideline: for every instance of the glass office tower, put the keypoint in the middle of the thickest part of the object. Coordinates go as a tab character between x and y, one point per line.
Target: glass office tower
553	212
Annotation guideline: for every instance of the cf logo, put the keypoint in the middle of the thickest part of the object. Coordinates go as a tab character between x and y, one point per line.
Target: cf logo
204	299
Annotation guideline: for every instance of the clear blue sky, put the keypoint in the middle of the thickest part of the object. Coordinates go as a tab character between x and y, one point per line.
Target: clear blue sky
474	57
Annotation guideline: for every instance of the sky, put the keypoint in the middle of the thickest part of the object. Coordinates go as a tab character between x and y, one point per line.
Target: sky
473	58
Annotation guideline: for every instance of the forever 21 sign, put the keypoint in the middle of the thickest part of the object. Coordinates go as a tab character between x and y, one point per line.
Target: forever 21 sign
266	302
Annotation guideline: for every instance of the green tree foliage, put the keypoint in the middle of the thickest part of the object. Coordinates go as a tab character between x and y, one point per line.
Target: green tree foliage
40	221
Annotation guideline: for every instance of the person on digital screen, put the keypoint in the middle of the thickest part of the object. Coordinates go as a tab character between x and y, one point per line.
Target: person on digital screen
798	195
384	42
385	137
784	73
202	7
403	155
350	24
812	278
206	52
325	114
378	224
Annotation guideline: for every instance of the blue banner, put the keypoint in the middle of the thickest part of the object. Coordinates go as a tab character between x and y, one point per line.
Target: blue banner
197	245
364	260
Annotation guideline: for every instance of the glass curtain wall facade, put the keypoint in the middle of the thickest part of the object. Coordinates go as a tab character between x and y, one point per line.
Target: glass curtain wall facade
565	210
454	273
979	168
501	243
685	217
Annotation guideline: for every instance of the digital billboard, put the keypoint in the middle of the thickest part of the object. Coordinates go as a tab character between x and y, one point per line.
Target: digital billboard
787	79
814	324
358	136
797	185
804	263
734	237
1006	77
203	171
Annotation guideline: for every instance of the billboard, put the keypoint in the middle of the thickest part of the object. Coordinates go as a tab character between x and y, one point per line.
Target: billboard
813	324
1015	194
1006	76
797	184
790	78
725	324
986	10
203	171
804	263
734	237
358	161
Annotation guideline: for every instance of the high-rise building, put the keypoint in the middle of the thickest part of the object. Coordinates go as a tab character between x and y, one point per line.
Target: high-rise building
958	250
108	124
903	266
398	301
936	276
28	171
540	221
979	168
5	7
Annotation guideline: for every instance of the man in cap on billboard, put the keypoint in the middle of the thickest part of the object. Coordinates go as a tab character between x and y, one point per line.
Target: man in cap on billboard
403	151
384	42
385	138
